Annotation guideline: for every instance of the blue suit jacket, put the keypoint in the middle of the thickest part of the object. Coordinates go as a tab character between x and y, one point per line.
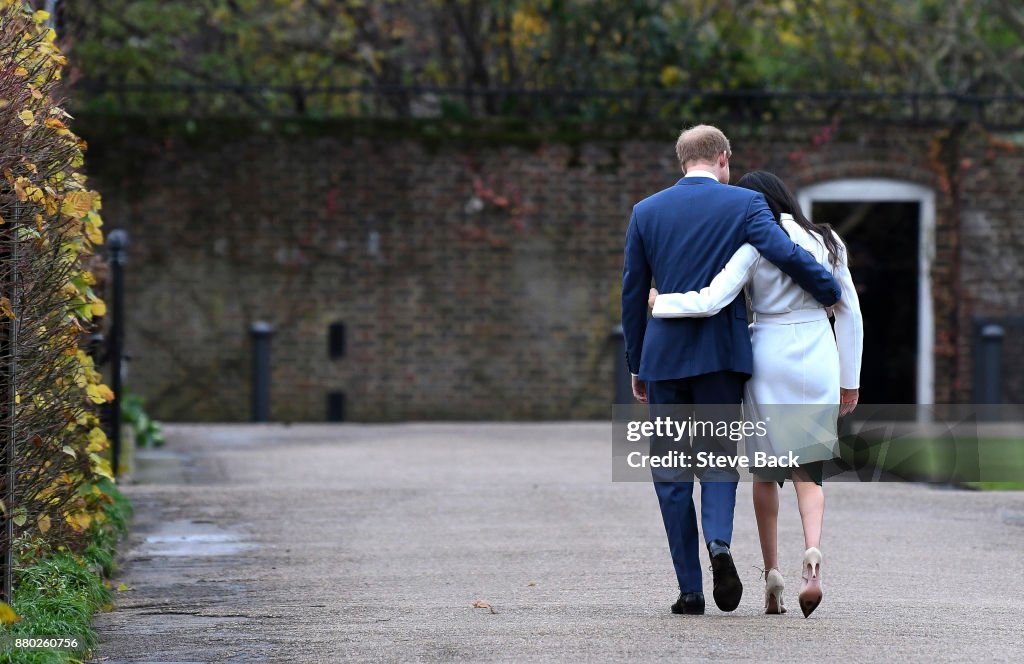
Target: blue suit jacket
683	237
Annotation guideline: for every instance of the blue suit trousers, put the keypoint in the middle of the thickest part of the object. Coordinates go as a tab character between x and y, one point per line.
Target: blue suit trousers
718	492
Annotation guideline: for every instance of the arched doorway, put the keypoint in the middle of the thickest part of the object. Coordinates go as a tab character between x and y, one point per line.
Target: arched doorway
889	226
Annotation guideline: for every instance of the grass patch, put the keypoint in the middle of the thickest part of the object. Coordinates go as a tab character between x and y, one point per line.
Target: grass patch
997	486
980	463
57	594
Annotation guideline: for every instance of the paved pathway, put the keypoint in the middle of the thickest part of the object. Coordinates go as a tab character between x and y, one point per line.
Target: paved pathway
321	543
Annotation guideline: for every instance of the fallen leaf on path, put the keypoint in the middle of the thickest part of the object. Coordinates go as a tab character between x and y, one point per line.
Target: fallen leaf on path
480	604
123	587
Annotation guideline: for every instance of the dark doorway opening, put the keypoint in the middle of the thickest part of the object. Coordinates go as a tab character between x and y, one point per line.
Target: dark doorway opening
883	239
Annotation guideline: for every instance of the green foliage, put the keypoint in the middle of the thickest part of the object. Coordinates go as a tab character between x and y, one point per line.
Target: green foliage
148	432
58	591
964	46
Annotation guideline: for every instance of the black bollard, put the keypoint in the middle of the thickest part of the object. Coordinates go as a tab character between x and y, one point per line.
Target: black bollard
117	245
988	373
623	378
336	406
261	332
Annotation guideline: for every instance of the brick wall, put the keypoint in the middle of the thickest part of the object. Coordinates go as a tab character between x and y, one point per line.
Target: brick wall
477	274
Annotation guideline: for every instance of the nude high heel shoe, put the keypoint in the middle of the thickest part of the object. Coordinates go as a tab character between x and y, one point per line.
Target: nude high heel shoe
810	593
773	586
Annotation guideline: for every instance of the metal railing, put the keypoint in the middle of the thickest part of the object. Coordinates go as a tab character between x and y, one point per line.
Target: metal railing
425	101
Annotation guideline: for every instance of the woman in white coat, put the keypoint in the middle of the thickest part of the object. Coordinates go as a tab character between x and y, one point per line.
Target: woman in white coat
802	370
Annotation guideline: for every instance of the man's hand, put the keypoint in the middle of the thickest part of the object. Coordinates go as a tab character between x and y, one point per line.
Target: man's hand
847	400
651	297
639	390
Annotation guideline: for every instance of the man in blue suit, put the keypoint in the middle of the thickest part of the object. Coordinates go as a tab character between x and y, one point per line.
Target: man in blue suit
682	237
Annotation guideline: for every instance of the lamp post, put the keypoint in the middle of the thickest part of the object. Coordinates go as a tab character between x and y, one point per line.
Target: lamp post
117	245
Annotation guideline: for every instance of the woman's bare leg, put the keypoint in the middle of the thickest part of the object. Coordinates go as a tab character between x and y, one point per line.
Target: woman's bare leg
766	510
811	500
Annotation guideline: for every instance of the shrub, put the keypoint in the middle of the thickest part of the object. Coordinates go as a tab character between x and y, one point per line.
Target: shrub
49	224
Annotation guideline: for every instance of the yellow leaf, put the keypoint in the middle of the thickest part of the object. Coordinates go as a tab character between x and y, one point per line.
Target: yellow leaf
44	523
79	521
7	614
94	394
5	308
21	71
97	440
40	16
123	587
92	228
101	466
27	117
99	308
77	204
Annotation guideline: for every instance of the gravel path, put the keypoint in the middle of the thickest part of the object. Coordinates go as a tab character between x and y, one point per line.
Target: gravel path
324	543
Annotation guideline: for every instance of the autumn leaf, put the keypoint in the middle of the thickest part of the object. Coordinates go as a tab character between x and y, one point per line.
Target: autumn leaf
7	614
92	228
5	308
79	521
95	394
77	204
20	517
99	308
43	521
97	440
480	604
27	117
124	587
101	466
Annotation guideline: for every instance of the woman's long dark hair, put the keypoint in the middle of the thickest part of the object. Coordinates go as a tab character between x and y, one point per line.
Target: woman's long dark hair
781	200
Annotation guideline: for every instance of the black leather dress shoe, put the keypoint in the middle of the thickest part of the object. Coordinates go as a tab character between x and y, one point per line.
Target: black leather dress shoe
690	604
728	588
